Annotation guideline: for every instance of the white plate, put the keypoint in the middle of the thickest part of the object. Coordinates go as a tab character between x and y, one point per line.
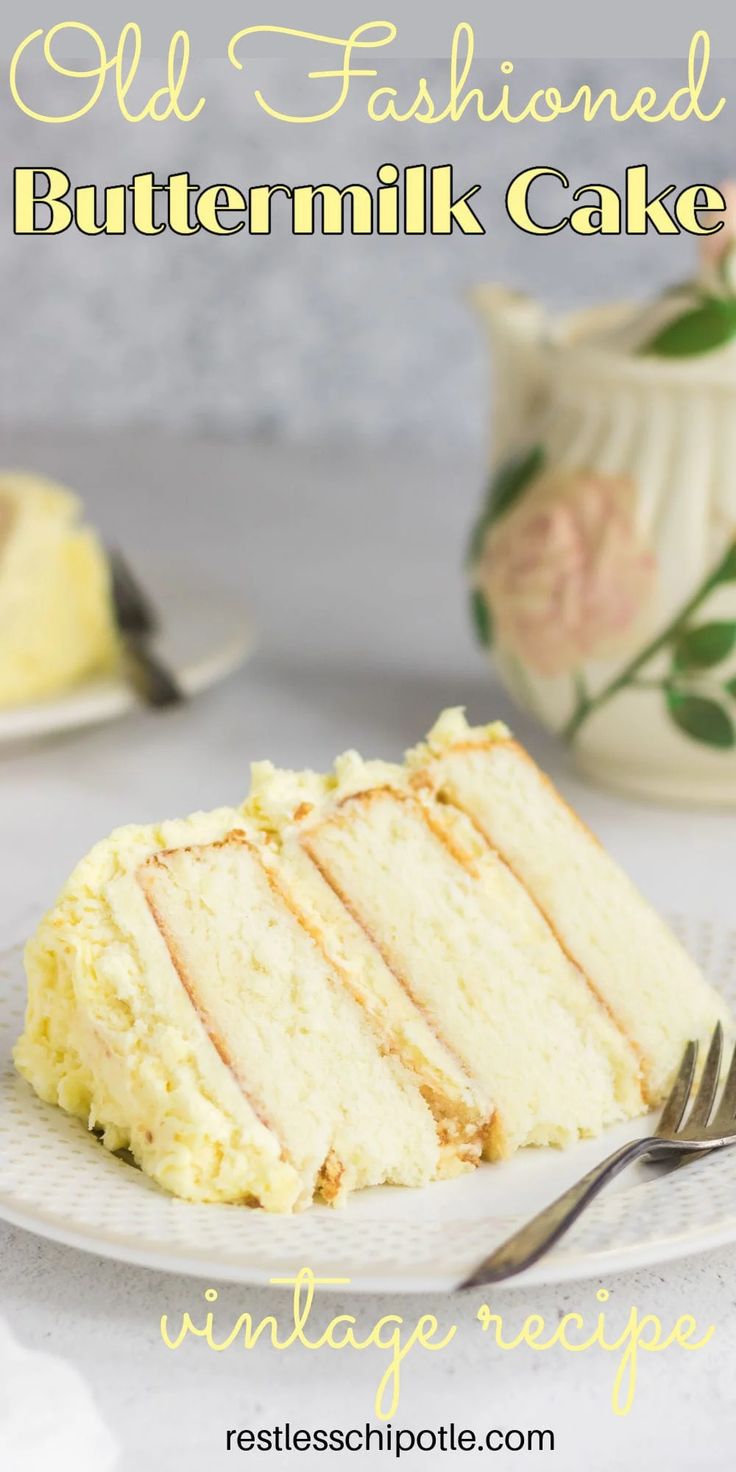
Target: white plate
204	636
56	1180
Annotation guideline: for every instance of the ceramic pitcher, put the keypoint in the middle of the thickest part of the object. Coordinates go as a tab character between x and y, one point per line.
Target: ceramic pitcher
603	565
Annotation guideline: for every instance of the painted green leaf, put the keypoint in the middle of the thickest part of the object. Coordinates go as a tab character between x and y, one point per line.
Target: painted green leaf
702	719
506	486
481	616
698	649
730	687
514	478
700	330
726	570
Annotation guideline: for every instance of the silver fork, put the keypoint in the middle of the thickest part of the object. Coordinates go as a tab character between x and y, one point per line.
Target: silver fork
676	1135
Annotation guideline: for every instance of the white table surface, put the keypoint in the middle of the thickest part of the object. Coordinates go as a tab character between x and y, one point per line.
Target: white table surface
351	563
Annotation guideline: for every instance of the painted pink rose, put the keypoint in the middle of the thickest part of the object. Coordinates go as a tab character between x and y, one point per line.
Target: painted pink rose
714	247
565	572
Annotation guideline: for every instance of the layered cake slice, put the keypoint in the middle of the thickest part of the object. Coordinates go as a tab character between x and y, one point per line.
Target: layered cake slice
373	976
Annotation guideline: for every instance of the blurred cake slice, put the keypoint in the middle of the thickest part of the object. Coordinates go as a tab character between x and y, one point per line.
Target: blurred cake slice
56	617
631	960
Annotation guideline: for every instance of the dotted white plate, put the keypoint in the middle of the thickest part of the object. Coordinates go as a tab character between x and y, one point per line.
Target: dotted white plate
58	1181
204	636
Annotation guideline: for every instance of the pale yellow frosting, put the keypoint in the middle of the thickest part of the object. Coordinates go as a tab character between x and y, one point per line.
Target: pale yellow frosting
110	1034
276	794
56	617
452	729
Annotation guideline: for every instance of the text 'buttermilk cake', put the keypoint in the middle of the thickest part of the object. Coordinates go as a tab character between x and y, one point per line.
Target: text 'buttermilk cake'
380	975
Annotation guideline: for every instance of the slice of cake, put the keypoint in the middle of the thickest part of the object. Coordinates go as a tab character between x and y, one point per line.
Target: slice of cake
56	617
372	976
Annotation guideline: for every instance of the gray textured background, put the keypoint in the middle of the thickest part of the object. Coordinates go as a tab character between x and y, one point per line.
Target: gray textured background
314	338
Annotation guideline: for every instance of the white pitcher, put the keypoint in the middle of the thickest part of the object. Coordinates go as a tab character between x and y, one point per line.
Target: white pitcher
604	563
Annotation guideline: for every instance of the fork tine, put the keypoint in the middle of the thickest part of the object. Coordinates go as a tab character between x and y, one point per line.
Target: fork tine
674	1109
727	1107
703	1104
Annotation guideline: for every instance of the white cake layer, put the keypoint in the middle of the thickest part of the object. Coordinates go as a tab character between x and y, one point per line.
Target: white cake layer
462	1108
298	1044
481	964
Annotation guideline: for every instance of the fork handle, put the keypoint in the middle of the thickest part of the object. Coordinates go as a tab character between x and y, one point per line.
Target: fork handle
541	1233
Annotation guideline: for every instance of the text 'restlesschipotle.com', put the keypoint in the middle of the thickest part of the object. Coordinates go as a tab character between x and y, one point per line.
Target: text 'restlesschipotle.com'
395	1441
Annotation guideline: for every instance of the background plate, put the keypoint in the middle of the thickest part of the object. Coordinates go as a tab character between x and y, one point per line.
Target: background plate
204	636
56	1180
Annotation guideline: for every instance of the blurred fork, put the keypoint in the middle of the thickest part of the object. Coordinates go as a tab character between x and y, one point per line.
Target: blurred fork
137	622
676	1135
